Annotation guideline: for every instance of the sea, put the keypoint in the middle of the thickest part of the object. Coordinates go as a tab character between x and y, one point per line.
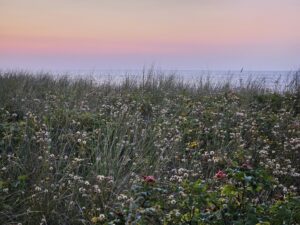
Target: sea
274	80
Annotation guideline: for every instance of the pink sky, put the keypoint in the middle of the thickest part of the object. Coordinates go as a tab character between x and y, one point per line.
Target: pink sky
110	34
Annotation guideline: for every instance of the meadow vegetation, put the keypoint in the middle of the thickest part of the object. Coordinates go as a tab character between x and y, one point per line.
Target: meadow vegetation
159	151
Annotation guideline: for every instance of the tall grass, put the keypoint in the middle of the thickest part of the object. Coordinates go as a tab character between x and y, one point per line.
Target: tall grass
59	136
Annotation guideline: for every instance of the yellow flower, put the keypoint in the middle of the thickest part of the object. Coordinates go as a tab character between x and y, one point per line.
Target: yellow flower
94	219
193	144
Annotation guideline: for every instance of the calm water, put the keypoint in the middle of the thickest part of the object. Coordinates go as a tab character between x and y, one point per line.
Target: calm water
270	79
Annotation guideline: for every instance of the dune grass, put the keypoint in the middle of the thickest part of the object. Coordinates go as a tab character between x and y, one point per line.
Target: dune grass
159	151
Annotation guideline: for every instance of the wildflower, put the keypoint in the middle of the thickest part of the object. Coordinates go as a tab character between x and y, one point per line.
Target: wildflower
240	114
96	189
181	171
122	197
101	217
37	188
149	179
94	219
81	190
171	197
193	144
173	202
220	175
100	177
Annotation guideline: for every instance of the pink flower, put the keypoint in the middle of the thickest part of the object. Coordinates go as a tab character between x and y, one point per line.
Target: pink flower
220	175
149	179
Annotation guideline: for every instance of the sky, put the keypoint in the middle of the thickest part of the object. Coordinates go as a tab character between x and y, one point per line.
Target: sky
131	34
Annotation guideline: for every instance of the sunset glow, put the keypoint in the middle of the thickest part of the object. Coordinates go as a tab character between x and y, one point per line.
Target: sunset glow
191	34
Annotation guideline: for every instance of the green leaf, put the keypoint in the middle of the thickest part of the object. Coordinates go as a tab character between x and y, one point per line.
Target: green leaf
22	178
229	190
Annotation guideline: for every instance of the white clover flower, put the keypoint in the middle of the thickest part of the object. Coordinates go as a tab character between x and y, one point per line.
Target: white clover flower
171	197
101	217
240	114
81	190
100	177
37	188
76	177
97	189
296	174
181	170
